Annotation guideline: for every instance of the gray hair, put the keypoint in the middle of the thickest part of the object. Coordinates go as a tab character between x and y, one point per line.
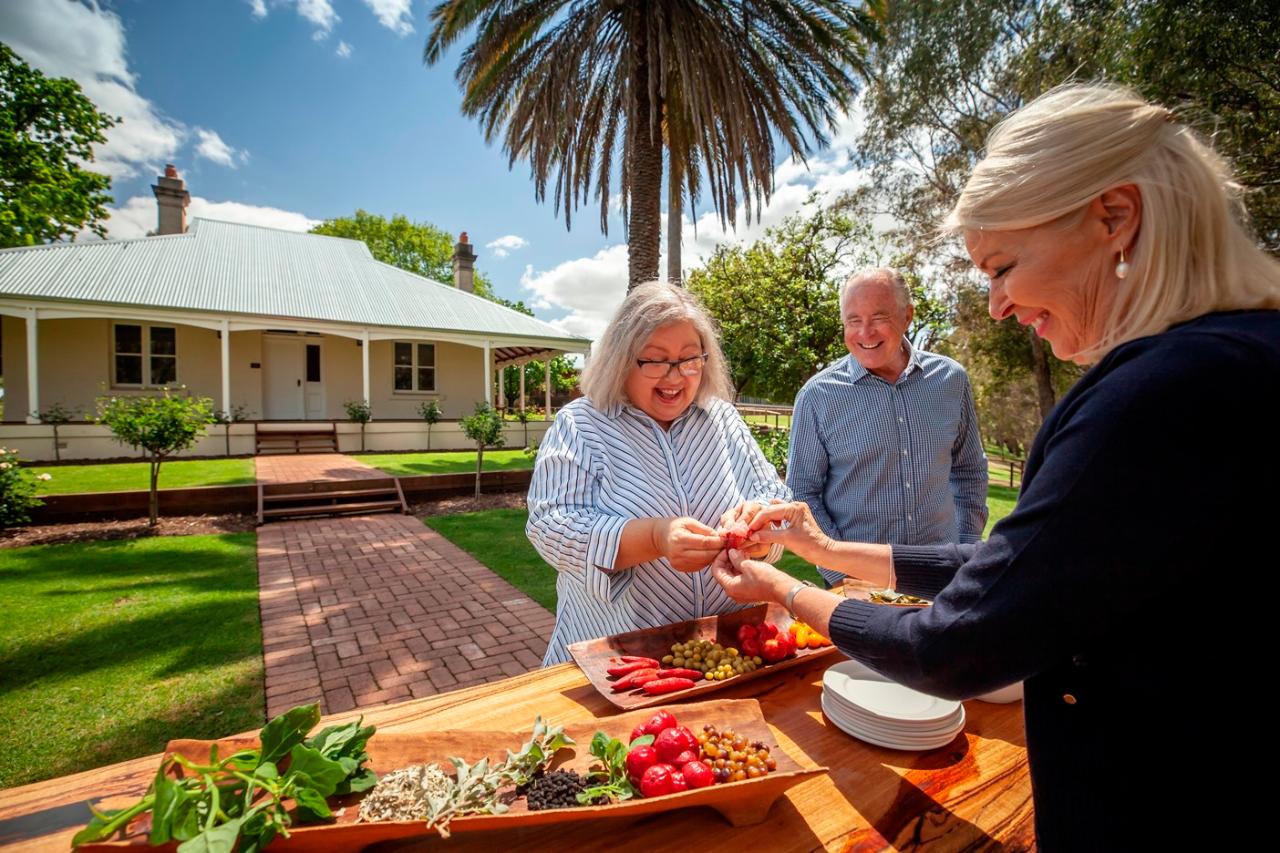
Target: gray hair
1192	254
878	275
647	308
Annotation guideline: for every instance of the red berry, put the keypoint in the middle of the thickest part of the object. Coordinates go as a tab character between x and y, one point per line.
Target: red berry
656	781
659	721
637	733
670	743
640	759
697	774
678	782
685	757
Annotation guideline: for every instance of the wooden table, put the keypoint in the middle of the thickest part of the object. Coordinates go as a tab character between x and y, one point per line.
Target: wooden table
973	794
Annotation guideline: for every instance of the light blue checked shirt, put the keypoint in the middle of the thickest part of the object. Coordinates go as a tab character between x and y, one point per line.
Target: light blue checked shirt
596	471
899	464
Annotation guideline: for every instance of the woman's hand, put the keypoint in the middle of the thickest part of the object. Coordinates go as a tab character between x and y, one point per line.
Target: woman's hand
801	535
742	514
688	544
747	581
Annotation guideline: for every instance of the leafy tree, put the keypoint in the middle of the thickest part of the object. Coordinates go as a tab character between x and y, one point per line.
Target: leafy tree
159	426
575	88
484	427
430	412
358	412
563	374
417	247
777	301
47	132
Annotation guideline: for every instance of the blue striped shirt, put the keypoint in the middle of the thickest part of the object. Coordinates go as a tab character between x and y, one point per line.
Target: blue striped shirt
597	470
899	464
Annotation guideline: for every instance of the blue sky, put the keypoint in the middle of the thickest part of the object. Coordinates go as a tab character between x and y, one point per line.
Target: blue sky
286	112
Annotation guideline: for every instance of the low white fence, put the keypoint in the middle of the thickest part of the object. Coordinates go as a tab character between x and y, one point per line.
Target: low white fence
34	442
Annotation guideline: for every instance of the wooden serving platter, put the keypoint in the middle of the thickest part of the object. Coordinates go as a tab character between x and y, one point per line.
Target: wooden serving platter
741	803
592	656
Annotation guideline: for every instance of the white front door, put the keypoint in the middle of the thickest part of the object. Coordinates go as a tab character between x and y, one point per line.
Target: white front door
284	367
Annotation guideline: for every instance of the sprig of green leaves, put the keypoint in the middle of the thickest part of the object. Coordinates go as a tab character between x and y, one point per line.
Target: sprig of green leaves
613	783
209	807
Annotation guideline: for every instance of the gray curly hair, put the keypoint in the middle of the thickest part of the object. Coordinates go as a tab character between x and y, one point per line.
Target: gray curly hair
647	308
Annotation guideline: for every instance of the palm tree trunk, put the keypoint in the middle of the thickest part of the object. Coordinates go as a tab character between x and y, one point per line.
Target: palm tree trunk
675	220
1044	380
644	163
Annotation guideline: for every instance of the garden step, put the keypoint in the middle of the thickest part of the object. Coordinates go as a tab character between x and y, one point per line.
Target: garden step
333	509
278	441
312	496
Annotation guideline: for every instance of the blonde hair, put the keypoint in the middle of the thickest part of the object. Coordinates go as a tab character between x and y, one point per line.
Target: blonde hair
647	308
1192	254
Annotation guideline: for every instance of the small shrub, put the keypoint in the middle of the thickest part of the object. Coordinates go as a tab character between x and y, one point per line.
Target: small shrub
56	415
17	489
773	444
431	413
485	429
358	412
159	426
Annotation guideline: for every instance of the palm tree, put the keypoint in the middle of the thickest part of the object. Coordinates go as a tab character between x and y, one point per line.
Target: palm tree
576	87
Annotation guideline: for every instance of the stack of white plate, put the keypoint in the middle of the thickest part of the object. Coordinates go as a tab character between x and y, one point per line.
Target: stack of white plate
865	704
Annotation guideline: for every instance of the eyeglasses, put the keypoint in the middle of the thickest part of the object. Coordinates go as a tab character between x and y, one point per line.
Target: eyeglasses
691	366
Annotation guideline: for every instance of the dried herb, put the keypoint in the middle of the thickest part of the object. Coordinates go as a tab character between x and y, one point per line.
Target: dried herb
210	807
474	788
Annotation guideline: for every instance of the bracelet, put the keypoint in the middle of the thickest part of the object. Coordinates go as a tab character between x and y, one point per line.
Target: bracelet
790	600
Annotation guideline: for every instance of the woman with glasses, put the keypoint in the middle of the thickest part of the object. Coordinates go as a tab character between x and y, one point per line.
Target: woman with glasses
632	479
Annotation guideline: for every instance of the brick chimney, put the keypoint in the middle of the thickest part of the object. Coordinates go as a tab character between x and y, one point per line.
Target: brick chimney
172	198
464	265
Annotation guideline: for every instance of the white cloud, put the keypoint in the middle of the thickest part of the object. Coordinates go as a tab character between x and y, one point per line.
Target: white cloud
211	147
504	246
320	13
344	49
395	15
87	44
137	216
258	8
590	289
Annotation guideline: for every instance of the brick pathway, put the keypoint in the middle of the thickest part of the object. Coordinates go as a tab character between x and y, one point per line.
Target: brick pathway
367	610
303	467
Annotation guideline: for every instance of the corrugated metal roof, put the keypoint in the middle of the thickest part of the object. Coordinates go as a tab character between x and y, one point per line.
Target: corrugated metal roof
227	267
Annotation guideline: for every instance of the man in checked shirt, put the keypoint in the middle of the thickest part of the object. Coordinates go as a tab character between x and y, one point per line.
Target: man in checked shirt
884	442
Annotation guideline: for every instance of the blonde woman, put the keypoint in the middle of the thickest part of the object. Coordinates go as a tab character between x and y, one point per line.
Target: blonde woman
632	478
1116	233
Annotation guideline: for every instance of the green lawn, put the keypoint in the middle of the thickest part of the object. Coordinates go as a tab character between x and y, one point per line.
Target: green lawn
445	462
782	421
496	538
109	649
133	476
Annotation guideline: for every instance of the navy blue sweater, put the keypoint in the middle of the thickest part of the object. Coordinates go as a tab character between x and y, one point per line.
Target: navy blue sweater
1125	588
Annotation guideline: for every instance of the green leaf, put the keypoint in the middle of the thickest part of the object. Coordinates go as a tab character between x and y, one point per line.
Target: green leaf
319	772
220	839
643	740
362	781
170	796
267	770
348	739
287	730
311	804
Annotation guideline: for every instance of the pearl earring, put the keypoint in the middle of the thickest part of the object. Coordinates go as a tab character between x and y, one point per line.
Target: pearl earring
1122	268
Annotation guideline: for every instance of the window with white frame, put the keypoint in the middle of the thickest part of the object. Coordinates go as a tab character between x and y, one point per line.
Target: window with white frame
415	366
143	355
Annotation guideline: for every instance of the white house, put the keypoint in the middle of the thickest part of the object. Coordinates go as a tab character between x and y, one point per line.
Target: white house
278	325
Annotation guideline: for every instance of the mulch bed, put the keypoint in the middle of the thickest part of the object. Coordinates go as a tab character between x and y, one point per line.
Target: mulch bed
188	525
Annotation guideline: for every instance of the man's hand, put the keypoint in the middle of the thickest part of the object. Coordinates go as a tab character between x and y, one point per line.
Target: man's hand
688	544
747	581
